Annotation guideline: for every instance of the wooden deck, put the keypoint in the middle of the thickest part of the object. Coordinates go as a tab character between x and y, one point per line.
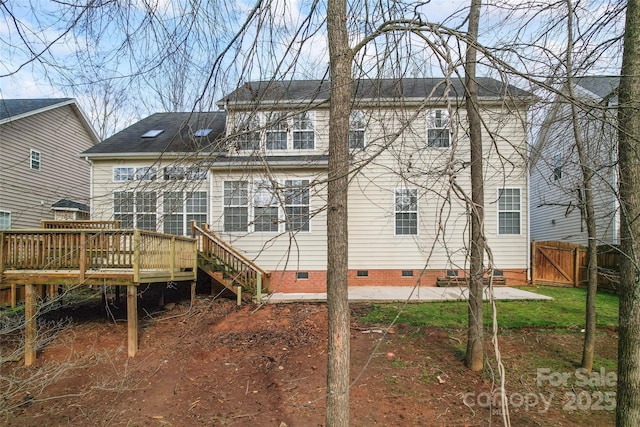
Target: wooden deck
92	256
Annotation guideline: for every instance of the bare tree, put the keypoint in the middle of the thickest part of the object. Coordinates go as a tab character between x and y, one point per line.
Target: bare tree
474	358
340	60
628	396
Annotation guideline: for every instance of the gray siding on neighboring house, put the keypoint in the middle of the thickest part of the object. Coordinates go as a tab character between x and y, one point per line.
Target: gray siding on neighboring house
556	177
59	135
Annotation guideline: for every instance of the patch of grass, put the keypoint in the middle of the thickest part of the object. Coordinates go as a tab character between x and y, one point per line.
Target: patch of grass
565	311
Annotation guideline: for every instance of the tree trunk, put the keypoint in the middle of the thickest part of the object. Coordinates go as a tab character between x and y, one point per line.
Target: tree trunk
340	59
587	209
474	358
628	396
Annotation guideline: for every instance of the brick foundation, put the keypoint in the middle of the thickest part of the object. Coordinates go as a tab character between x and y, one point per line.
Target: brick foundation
316	280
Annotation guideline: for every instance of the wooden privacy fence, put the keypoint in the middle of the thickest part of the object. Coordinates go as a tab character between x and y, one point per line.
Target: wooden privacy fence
565	264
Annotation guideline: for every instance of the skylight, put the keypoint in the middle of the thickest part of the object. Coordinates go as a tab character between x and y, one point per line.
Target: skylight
202	132
152	133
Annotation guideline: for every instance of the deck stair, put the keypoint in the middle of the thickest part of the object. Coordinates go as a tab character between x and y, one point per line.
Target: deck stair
227	266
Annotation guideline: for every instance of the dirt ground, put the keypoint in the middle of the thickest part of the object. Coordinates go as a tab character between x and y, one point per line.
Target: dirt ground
216	364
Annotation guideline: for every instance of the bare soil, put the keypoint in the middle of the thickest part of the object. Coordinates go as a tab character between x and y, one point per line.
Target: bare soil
216	364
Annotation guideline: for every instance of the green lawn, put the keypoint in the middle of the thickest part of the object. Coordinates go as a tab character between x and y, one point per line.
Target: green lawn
566	310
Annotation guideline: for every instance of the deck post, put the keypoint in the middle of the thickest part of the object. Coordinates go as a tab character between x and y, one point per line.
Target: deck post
259	289
193	293
30	324
239	294
14	295
132	319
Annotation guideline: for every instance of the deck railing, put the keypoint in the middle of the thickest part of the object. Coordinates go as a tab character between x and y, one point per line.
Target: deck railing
66	249
80	224
243	271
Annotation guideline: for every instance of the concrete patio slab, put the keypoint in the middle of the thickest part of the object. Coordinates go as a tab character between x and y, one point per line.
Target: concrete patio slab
405	293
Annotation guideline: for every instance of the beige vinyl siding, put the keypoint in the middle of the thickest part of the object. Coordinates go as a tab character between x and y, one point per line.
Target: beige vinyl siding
59	135
302	250
442	236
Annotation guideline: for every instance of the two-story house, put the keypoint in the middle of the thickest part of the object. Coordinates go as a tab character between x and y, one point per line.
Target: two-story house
256	171
556	176
41	172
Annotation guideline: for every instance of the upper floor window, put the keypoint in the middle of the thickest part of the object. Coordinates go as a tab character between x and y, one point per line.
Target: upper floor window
129	173
146	173
276	131
406	211
356	129
438	128
248	128
35	159
509	211
303	131
179	173
5	220
557	166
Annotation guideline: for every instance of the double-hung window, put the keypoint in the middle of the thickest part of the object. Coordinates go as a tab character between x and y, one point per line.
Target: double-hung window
406	211
557	166
276	131
236	205
135	209
265	207
123	208
438	128
173	212
303	131
180	208
248	128
509	211
296	199
35	159
146	210
356	129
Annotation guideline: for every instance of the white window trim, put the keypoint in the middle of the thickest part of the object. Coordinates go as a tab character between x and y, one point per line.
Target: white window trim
9	213
395	212
498	211
31	160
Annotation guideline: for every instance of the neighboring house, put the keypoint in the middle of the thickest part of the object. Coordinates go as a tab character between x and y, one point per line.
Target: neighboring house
556	177
257	171
40	143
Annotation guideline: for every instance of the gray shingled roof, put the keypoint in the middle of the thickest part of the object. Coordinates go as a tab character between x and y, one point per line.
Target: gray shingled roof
177	135
70	204
412	88
16	107
601	86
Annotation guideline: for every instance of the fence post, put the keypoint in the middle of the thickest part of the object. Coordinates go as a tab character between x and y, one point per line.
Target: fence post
533	262
576	269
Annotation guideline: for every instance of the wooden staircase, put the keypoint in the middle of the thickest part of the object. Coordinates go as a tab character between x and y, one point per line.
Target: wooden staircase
228	267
